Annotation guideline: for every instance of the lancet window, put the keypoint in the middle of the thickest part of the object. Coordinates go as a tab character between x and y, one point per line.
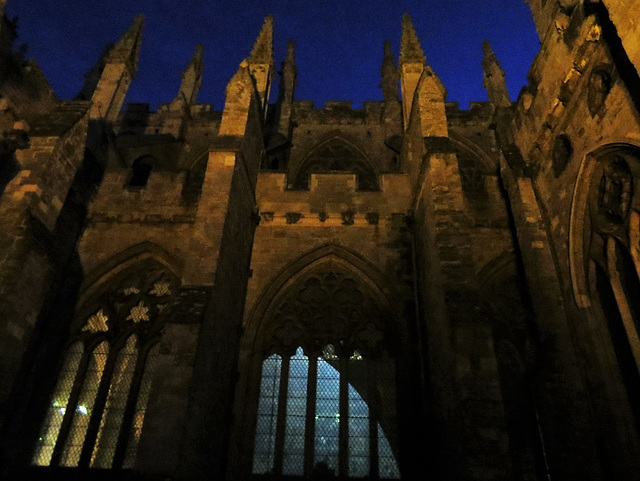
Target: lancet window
95	415
327	397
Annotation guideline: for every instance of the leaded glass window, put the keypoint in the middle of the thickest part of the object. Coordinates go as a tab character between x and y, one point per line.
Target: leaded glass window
95	415
58	405
351	427
327	398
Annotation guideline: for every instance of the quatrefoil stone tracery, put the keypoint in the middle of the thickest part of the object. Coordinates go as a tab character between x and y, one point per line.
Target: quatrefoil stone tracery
328	307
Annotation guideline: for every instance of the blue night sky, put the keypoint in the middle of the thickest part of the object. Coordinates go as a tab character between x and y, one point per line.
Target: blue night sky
338	42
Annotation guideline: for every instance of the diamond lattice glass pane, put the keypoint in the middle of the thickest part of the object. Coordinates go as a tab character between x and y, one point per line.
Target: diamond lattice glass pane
161	288
97	322
388	467
84	408
358	418
141	407
387	428
327	420
139	313
293	461
58	406
265	439
111	422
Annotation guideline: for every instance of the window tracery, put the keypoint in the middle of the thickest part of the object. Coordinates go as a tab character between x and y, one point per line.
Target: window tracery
614	269
326	403
95	415
337	156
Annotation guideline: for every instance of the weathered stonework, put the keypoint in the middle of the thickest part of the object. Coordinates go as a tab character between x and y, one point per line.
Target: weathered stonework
493	253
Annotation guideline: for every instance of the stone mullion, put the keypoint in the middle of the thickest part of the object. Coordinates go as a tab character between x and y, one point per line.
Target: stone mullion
343	427
310	424
374	417
98	407
621	299
281	419
72	402
132	399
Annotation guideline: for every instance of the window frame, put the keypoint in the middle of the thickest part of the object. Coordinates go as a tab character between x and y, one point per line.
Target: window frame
372	399
117	306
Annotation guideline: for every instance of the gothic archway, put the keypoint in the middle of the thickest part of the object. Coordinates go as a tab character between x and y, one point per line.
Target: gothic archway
605	254
336	154
320	378
95	414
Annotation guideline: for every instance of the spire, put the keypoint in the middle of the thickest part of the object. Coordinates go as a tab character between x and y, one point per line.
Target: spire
191	81
410	49
261	62
237	103
114	72
262	51
494	81
412	63
286	91
288	74
389	73
127	49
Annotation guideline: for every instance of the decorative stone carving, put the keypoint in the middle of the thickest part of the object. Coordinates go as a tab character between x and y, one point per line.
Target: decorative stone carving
347	217
267	216
615	191
600	84
293	217
327	307
139	297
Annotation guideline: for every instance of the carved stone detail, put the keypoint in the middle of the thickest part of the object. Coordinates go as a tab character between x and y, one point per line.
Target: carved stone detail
267	216
614	193
600	84
327	307
138	297
347	217
293	217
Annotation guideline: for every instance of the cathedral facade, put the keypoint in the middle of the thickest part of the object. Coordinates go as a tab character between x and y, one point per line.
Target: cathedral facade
280	291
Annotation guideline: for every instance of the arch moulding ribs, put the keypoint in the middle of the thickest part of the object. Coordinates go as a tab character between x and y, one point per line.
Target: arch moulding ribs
329	254
579	209
123	260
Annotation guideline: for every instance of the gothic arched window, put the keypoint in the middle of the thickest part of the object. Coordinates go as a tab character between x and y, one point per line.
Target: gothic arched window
614	261
94	417
337	155
327	397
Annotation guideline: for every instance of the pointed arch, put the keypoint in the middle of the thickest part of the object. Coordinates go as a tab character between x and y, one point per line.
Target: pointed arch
336	152
470	149
324	337
96	413
95	280
604	261
329	255
579	223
